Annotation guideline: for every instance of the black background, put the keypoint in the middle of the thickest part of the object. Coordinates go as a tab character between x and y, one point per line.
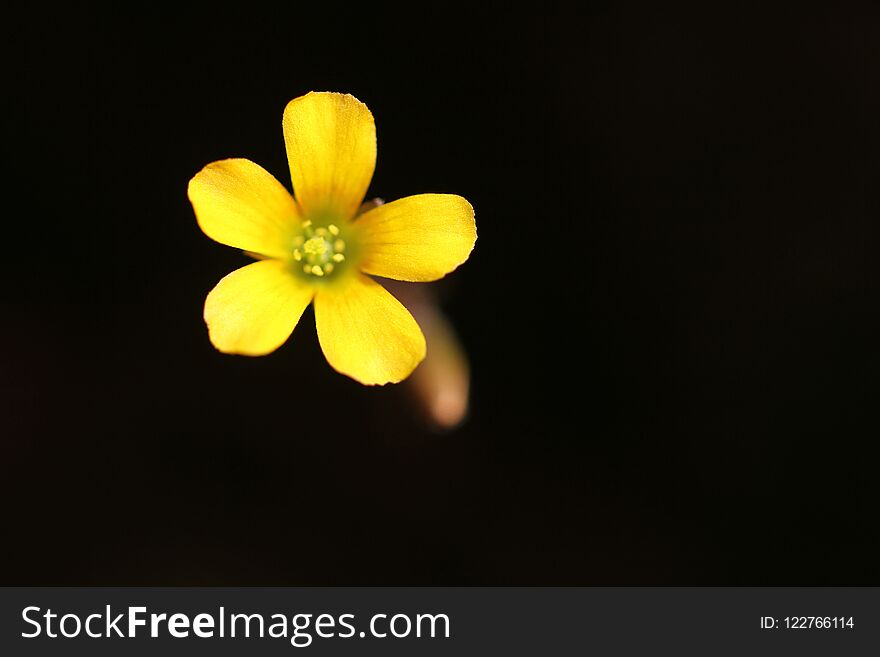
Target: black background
671	311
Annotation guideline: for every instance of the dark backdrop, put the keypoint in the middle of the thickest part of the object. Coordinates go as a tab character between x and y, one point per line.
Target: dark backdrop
671	311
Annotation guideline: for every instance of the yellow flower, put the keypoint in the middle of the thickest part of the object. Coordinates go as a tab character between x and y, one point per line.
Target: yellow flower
314	247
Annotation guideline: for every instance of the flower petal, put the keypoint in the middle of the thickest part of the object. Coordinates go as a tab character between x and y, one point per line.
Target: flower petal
253	310
331	149
417	238
240	204
366	333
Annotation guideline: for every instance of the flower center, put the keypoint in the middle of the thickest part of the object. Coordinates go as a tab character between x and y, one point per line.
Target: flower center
319	250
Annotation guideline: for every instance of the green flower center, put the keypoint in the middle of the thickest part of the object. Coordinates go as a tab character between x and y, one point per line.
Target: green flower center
320	250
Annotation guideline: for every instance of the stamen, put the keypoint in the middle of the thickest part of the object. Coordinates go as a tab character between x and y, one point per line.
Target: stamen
316	246
319	249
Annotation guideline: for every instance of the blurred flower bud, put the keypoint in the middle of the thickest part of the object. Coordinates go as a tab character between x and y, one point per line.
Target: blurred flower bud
441	384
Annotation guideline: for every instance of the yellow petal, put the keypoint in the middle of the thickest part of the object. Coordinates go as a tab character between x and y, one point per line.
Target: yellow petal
366	333
331	149
417	238
253	310
238	203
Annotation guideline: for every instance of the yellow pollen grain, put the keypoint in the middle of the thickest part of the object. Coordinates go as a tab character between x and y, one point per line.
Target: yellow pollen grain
338	257
320	232
307	223
297	255
315	246
333	230
328	268
339	245
307	269
317	271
